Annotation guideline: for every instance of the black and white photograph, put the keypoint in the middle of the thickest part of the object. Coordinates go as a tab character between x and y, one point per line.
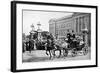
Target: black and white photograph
56	36
48	36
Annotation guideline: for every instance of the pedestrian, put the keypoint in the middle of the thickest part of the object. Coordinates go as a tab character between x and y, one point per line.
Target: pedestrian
27	45
23	46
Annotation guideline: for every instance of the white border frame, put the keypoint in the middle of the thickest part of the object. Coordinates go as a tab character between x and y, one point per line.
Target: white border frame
37	65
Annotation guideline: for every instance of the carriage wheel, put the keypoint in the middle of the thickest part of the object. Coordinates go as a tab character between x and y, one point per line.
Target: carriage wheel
85	50
74	53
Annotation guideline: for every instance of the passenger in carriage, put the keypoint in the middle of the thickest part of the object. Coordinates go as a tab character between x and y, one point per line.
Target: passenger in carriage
73	35
82	44
68	36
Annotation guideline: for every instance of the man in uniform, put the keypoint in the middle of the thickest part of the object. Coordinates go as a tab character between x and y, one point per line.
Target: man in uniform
73	35
68	36
73	41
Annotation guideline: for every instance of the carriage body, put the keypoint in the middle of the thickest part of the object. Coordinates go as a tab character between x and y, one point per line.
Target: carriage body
77	47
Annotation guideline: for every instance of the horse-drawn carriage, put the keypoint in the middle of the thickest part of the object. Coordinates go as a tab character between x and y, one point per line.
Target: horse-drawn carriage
51	45
74	47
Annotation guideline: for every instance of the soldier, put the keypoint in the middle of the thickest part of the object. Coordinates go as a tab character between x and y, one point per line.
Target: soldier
73	41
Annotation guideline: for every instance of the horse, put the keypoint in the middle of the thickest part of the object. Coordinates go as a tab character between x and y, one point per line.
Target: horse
49	47
30	45
61	46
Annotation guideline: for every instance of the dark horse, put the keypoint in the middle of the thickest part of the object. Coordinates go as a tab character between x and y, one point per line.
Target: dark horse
49	45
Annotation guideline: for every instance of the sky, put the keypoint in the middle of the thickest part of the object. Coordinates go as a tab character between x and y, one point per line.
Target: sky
42	17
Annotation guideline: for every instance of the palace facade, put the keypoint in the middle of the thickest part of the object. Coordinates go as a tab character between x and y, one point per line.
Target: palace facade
76	22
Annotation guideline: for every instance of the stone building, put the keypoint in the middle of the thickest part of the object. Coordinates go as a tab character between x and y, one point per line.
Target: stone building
76	22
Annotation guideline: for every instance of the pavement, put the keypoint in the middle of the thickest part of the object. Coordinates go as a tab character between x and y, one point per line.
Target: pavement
40	55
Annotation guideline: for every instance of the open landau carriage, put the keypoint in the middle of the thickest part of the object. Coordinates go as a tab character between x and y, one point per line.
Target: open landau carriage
74	46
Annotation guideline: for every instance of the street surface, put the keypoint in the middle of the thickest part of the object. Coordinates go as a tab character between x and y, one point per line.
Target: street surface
40	55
